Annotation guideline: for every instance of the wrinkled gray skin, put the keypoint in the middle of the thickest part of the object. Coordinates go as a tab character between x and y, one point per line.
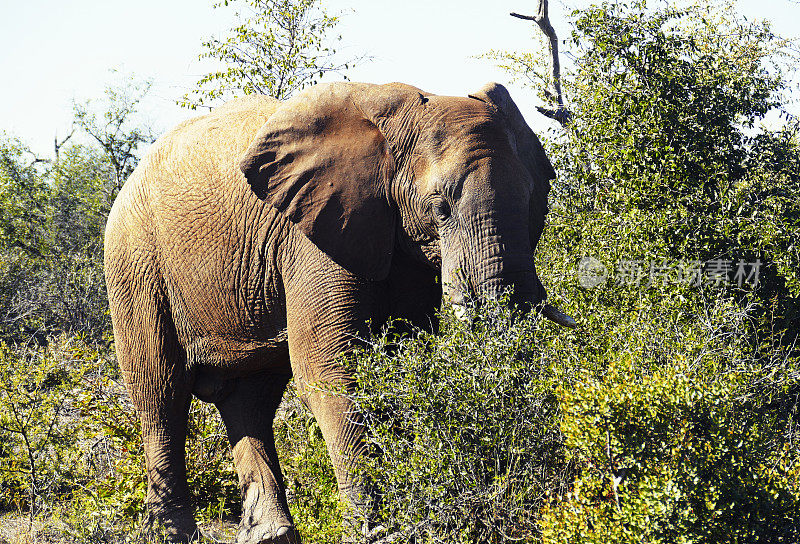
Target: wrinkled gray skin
254	243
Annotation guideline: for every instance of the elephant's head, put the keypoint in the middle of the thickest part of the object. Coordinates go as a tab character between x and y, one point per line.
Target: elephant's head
458	183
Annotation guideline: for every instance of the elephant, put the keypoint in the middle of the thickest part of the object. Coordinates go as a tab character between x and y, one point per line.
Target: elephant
258	242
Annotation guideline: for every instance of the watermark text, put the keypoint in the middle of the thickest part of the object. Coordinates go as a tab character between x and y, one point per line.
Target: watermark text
594	273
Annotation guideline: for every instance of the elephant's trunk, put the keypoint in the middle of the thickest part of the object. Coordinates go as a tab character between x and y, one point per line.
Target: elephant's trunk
537	298
493	251
527	292
530	293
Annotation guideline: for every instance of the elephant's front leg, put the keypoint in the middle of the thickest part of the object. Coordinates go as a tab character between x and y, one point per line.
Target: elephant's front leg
327	311
343	435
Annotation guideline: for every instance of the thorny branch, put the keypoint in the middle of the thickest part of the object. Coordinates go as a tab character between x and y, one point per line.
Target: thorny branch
542	18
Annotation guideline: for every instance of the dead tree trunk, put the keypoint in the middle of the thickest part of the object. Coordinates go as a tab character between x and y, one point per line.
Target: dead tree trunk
560	113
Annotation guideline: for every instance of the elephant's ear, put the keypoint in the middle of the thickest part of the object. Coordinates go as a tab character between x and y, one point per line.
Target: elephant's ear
529	149
320	161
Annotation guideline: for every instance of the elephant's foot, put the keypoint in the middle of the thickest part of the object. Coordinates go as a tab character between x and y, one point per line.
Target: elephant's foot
267	533
173	525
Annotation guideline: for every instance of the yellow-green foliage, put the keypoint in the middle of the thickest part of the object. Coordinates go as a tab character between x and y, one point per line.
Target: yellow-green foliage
671	411
65	412
692	452
38	453
643	430
463	428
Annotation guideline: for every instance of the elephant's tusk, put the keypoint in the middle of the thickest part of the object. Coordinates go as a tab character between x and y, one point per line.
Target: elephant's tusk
460	311
554	314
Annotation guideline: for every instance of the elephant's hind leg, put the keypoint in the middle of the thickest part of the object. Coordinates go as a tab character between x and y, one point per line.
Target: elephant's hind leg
248	412
153	365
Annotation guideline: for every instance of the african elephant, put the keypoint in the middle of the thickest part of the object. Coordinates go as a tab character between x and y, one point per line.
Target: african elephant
256	242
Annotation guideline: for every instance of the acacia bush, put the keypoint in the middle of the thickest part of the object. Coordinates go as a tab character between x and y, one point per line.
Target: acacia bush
38	452
685	436
667	165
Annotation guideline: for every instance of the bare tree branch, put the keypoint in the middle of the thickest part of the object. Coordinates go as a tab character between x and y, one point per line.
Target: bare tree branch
542	18
58	145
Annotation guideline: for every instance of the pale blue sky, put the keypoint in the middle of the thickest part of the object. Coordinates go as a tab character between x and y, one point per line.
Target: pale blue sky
54	51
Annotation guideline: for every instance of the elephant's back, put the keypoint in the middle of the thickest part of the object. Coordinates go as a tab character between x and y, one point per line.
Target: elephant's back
213	142
189	176
197	157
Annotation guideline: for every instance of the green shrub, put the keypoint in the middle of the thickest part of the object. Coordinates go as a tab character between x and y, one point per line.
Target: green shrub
696	448
65	412
38	442
463	428
634	430
71	445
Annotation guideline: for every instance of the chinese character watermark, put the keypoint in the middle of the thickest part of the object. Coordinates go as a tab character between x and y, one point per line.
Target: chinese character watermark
630	272
593	273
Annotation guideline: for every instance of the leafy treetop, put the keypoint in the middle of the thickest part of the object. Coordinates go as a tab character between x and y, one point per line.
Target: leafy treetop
278	48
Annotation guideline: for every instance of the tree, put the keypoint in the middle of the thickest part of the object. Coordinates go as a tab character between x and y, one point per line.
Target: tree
542	18
668	178
527	66
52	216
665	159
278	48
23	234
118	136
21	196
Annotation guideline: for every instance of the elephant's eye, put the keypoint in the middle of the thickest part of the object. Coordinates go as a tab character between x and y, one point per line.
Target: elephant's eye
442	210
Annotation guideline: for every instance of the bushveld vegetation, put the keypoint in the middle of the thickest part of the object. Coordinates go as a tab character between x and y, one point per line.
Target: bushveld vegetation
668	415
